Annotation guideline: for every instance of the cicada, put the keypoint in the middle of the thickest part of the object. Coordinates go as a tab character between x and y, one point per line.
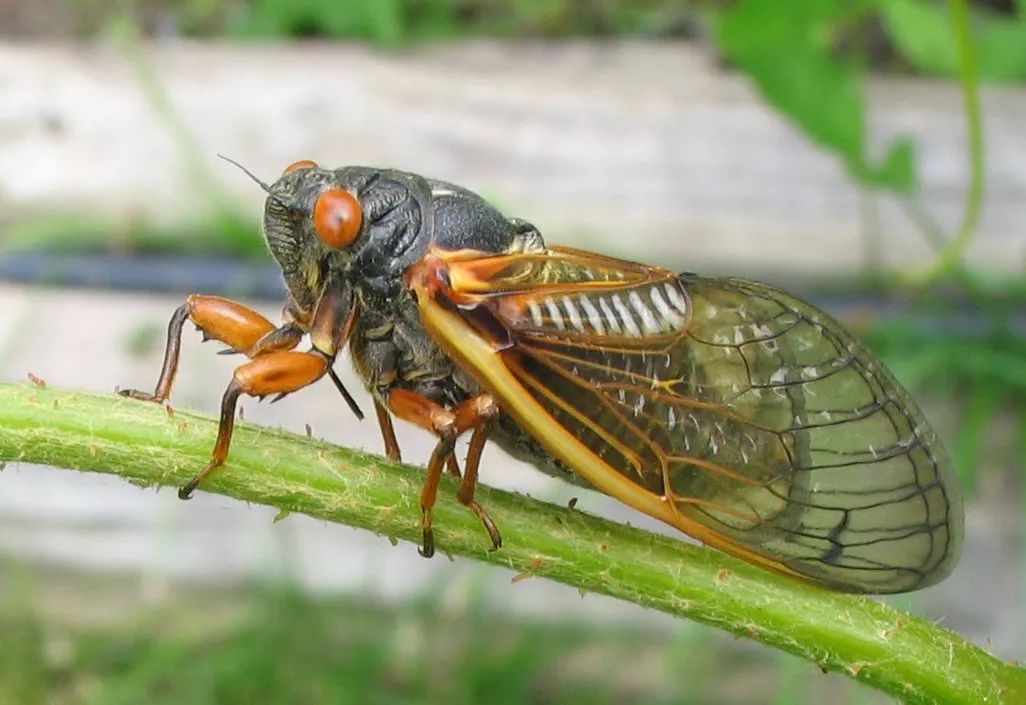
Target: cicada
737	413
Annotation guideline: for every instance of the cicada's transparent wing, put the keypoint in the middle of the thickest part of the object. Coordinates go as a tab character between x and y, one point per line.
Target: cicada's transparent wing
857	490
773	433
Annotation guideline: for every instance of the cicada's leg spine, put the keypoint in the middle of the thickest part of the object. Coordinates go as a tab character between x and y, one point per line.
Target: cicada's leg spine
433	417
429	493
224	439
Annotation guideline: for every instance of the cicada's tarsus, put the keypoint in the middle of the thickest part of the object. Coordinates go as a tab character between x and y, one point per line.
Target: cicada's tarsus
726	408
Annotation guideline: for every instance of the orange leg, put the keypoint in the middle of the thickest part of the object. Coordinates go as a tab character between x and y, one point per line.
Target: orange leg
469	483
392	451
241	328
272	373
448	425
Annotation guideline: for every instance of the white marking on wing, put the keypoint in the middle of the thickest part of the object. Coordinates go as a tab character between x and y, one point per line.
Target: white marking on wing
594	317
571	311
639	405
628	320
614	324
554	314
648	321
676	299
536	314
670	317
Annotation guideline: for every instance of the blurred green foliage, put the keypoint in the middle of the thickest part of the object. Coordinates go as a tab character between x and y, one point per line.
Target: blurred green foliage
280	647
987	372
921	31
808	59
391	22
917	32
789	50
382	21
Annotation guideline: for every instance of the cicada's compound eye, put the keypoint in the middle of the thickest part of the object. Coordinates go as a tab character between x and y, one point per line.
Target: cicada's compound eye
337	218
297	166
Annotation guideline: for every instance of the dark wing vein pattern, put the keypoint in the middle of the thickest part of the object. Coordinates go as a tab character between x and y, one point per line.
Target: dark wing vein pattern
758	415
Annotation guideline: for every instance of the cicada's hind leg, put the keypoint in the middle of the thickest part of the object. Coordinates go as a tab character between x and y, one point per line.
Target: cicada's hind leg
272	373
468	485
475	413
240	328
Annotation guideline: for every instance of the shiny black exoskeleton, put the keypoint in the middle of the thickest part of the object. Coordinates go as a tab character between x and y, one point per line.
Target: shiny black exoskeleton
404	215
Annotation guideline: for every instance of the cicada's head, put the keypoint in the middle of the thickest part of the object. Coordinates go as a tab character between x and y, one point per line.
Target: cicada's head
312	218
359	223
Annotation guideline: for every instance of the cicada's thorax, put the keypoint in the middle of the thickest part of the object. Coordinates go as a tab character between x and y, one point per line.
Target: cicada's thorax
389	346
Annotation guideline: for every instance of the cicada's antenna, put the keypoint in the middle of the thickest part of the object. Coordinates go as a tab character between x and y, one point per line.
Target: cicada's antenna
253	176
246	171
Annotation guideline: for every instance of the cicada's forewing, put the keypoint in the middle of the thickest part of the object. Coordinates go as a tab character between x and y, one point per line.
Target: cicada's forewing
772	432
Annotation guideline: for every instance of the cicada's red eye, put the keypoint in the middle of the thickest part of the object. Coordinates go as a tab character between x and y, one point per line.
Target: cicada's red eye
337	218
301	164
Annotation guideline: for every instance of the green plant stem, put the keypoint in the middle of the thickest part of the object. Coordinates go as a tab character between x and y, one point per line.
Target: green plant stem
952	256
1022	490
870	641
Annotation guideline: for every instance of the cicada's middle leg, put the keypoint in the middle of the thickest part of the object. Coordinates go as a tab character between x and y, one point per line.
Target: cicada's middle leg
392	451
474	414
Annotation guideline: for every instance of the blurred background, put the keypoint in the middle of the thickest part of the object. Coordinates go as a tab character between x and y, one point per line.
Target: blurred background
844	151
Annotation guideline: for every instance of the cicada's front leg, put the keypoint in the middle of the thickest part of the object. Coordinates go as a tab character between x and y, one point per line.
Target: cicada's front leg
283	372
273	373
240	328
476	413
275	368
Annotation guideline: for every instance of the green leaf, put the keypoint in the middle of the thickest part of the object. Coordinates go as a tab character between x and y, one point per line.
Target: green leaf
923	35
898	170
1001	49
787	49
